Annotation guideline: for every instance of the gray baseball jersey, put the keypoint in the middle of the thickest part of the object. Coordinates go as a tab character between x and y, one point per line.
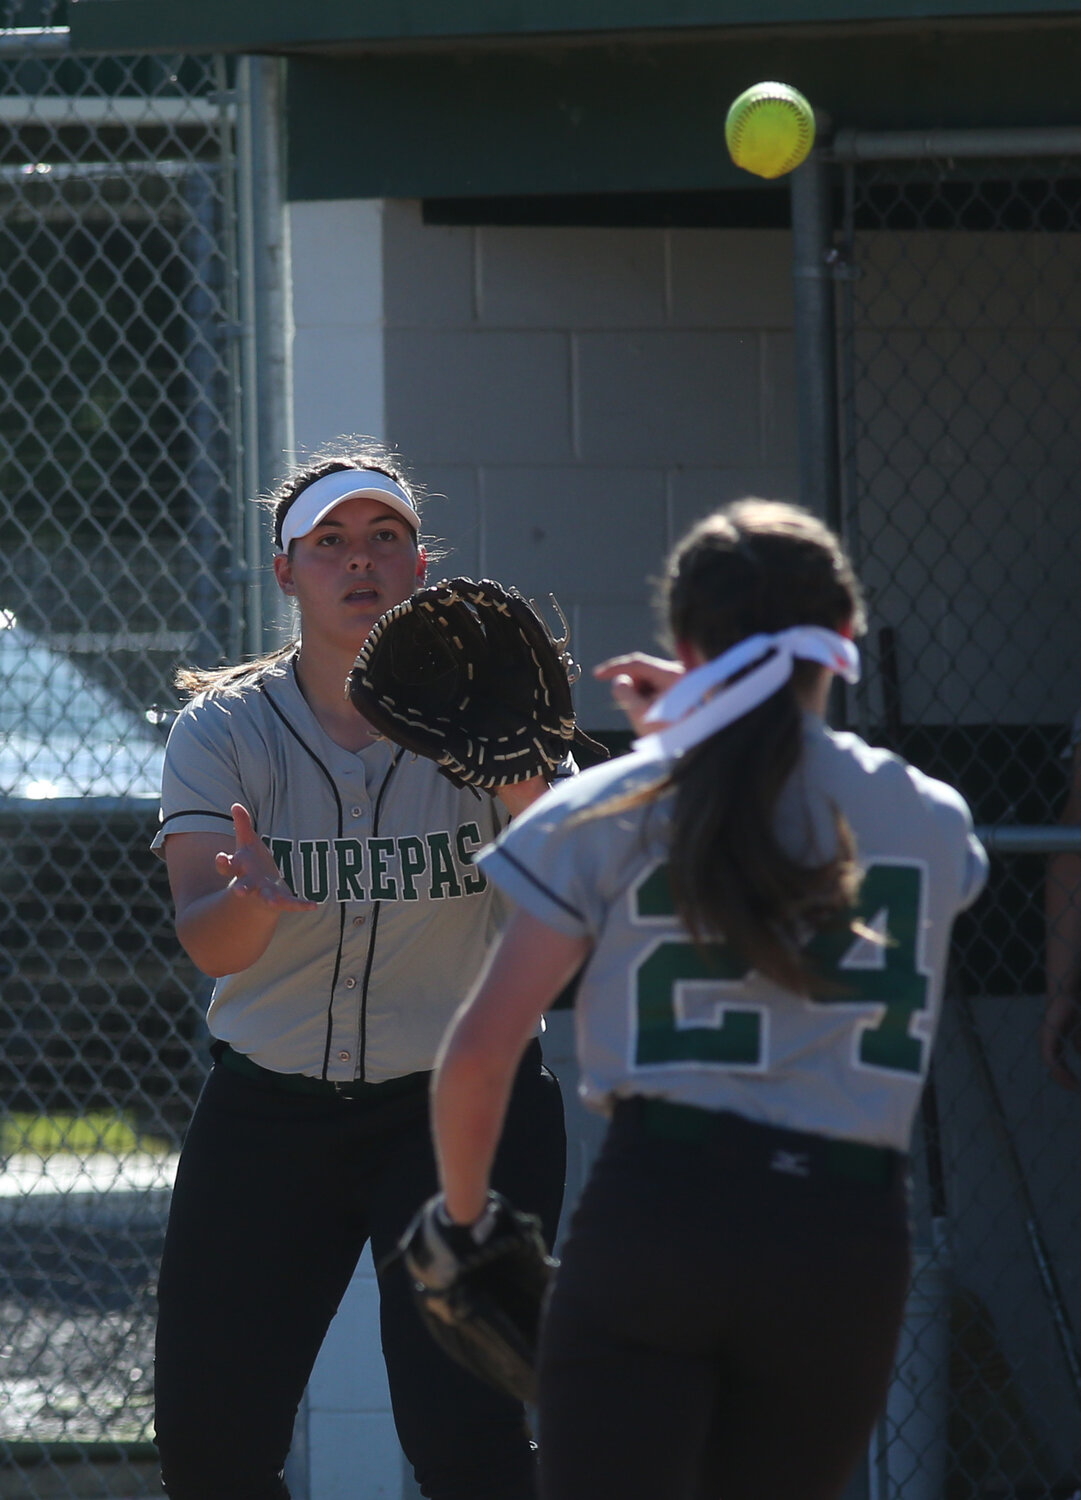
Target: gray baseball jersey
658	1016
364	986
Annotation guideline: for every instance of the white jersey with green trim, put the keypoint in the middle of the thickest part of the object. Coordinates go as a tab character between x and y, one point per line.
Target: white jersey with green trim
658	1016
364	986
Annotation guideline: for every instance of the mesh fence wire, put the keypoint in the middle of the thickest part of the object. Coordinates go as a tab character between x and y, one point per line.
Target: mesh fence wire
120	524
119	531
961	391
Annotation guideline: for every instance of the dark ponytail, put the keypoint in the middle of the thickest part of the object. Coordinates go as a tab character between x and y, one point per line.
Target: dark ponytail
755	567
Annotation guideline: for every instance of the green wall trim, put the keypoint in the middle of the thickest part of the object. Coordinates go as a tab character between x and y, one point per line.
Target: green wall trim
613	118
282	25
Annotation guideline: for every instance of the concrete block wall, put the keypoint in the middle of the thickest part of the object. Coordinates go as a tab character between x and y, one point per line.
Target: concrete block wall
337	315
572	399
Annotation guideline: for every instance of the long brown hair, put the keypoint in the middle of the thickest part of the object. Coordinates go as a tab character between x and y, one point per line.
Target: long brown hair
755	566
345	454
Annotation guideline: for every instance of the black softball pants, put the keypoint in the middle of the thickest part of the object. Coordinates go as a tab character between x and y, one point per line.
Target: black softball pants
724	1320
276	1195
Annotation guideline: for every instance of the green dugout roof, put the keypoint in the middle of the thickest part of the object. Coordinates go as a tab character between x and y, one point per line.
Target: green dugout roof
511	99
290	25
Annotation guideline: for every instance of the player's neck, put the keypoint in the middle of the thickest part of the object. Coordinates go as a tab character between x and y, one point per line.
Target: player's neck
321	677
815	696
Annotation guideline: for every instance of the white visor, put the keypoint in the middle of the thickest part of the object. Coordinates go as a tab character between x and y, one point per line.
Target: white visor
315	503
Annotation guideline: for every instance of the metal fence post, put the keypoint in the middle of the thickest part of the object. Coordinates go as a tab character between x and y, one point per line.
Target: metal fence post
265	364
815	337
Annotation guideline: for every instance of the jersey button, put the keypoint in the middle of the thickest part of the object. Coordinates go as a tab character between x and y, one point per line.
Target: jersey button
358	921
358	812
350	984
343	1056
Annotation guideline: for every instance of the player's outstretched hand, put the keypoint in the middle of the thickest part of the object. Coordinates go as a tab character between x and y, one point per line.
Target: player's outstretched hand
252	870
1061	1029
637	681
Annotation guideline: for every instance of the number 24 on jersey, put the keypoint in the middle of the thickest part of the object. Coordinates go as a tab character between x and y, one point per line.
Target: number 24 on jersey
884	979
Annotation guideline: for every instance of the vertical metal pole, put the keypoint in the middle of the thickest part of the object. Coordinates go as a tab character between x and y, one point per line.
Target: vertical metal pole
231	123
815	338
204	470
817	409
265	363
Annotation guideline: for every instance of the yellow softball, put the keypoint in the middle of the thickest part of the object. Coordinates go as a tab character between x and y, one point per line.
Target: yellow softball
770	129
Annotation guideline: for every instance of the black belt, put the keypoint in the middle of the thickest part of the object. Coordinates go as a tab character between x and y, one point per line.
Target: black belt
301	1083
792	1153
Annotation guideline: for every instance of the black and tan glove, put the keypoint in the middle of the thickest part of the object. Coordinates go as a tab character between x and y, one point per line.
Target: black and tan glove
468	675
479	1289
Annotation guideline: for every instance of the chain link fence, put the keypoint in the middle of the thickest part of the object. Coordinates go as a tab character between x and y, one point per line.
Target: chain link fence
123	533
121	530
960	359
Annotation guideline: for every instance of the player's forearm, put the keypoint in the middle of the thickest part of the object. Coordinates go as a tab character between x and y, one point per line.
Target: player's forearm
1063	906
481	1051
224	933
469	1102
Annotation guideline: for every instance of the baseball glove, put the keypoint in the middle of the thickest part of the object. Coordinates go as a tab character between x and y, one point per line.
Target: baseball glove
469	675
479	1288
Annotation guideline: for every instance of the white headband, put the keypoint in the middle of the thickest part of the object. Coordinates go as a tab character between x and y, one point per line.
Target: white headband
701	702
315	503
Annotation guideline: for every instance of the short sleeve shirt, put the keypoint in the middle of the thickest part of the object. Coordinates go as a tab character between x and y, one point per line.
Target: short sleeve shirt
364	986
658	1016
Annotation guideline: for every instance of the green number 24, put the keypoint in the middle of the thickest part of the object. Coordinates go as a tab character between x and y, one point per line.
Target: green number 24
885	979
